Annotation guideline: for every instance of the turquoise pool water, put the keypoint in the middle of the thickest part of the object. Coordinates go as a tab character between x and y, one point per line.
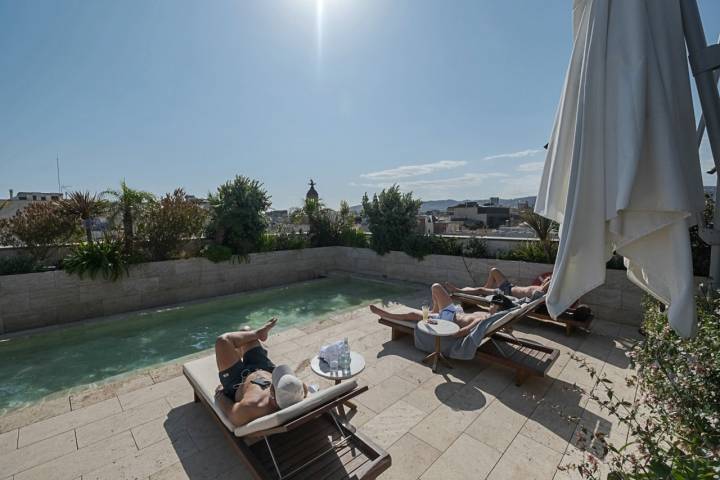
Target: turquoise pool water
34	366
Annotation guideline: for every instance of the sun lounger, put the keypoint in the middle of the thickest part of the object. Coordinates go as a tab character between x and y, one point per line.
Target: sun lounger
575	317
305	441
499	346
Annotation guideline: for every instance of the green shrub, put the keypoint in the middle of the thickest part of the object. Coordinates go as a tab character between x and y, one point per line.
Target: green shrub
476	248
105	257
392	218
237	217
41	227
283	241
217	253
17	264
674	421
353	237
533	252
168	222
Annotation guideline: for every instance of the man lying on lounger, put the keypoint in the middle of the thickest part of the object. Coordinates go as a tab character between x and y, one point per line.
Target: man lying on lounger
497	283
445	309
251	385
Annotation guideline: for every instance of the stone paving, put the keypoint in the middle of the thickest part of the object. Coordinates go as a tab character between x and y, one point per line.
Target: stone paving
469	422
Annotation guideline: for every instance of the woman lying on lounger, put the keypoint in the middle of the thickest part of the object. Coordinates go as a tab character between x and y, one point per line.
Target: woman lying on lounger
445	309
497	283
251	385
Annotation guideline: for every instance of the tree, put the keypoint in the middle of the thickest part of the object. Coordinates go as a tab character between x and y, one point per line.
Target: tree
543	228
128	206
238	214
85	206
40	227
167	222
392	218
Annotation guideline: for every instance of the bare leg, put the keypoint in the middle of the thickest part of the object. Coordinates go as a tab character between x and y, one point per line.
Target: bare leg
440	296
412	316
495	278
449	287
230	347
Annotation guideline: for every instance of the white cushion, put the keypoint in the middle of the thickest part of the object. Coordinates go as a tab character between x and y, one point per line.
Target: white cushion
203	374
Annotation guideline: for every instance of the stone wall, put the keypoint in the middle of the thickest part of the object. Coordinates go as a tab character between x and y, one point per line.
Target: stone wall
51	298
618	300
43	299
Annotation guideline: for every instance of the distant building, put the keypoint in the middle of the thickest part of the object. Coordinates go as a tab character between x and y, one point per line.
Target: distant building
425	224
494	200
10	206
312	193
486	216
524	205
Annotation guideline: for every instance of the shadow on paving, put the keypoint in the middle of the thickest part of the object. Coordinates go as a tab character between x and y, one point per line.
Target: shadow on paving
553	407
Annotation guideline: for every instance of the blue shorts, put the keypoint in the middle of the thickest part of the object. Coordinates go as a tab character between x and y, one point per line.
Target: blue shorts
505	288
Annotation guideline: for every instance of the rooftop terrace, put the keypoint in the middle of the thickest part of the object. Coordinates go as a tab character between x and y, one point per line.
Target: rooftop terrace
471	421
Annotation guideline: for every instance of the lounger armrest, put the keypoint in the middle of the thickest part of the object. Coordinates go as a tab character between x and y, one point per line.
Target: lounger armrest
311	415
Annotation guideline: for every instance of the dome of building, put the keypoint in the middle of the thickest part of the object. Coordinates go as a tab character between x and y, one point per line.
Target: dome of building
312	193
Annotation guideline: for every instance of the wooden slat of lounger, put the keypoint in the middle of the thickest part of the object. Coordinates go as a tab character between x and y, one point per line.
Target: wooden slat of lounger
346	460
350	464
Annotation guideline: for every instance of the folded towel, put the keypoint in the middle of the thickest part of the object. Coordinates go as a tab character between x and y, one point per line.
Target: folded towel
331	351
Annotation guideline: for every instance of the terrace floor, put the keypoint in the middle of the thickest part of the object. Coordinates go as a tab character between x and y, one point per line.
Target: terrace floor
471	422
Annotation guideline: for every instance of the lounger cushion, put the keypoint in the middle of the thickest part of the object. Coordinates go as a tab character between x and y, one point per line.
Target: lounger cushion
203	375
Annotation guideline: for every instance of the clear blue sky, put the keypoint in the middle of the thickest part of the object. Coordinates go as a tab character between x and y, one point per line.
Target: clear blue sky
448	98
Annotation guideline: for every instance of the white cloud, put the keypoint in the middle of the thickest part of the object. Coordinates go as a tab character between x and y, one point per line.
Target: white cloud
466	180
530	167
520	154
414	170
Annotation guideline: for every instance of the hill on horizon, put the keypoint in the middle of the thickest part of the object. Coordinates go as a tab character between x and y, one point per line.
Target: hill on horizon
443	205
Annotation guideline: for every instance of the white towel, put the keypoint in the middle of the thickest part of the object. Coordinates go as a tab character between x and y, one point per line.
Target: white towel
622	170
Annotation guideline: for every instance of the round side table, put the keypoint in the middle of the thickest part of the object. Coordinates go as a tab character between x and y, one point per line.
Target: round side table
322	368
442	328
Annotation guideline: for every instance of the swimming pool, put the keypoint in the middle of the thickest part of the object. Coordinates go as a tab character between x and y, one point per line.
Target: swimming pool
34	366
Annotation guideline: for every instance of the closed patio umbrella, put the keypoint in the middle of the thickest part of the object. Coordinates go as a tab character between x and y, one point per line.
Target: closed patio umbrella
622	170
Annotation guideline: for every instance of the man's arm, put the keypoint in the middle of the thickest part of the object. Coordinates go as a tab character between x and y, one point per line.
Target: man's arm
465	331
236	412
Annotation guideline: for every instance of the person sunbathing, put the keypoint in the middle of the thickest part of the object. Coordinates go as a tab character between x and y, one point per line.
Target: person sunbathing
498	283
444	309
251	386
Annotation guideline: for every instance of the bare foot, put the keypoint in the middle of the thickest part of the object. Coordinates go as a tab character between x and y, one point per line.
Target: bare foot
450	287
262	333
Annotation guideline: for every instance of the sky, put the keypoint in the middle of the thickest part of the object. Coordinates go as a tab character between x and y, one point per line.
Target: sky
447	99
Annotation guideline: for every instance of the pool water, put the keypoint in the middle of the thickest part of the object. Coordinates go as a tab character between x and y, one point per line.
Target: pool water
37	365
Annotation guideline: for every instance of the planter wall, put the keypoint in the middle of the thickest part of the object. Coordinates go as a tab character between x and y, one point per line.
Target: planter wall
52	298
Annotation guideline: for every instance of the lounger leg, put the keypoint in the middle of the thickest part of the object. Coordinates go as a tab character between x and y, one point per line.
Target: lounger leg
196	398
568	329
520	377
396	334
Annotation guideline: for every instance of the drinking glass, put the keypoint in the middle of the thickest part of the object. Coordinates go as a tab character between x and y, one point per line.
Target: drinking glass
425	312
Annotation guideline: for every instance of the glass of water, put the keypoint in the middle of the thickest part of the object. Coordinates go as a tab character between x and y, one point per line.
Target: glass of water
425	312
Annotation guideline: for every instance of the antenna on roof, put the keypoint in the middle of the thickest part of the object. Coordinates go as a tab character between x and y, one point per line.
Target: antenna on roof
57	165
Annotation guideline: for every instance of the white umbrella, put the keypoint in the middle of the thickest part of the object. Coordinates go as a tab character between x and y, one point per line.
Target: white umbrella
622	170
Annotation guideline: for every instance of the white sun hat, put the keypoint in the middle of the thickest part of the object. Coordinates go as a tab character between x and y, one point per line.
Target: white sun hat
289	389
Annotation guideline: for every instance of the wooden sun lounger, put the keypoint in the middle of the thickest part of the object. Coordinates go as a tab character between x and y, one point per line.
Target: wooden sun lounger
570	319
306	441
525	357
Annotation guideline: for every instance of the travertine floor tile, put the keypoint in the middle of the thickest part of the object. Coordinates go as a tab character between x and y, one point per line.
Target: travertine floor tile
98	394
144	463
205	465
381	396
37	453
34	413
466	458
8	441
410	458
526	459
498	425
82	461
443	426
393	423
120	422
153	392
67	421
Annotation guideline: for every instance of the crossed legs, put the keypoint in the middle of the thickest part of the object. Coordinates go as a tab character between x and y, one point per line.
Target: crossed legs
231	347
494	280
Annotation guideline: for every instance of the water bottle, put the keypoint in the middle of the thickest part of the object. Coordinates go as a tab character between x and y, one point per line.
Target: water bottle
345	357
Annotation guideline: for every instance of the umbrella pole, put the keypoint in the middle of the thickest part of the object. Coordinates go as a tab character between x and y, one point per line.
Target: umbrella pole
703	60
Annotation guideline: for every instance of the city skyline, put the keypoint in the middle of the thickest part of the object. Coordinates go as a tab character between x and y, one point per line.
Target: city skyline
449	100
